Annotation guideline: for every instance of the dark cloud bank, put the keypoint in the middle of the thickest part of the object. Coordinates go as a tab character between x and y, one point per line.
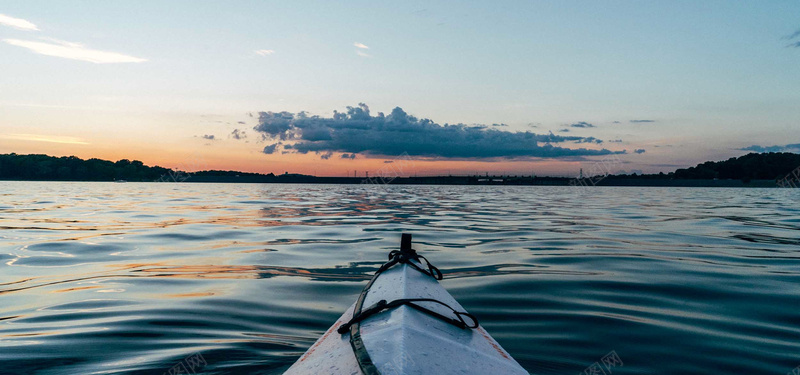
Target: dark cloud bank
356	131
794	147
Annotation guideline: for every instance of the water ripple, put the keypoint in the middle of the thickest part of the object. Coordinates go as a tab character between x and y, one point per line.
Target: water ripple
102	278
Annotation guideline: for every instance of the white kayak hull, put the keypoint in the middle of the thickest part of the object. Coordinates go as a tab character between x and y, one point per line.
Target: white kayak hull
404	340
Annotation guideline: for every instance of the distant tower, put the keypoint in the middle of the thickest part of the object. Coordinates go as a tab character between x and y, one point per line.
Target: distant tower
581	175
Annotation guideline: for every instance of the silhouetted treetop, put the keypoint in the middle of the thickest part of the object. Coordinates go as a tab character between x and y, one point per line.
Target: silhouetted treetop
753	166
71	168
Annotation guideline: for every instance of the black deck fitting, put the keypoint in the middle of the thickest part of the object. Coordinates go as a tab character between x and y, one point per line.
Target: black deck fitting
405	241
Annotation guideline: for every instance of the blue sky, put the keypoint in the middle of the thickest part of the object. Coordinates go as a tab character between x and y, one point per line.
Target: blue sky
713	76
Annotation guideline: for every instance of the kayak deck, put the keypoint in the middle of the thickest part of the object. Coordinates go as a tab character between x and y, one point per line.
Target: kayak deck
404	340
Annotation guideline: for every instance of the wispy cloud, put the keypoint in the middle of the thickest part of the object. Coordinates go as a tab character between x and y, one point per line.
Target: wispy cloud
361	46
793	36
36	105
641	121
582	124
264	52
45	138
17	23
73	51
777	148
639	151
238	134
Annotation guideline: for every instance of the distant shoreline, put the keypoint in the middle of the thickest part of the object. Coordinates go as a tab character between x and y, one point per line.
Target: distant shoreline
486	181
456	181
766	170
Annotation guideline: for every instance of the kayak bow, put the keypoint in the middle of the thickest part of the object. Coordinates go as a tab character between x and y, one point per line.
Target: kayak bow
404	322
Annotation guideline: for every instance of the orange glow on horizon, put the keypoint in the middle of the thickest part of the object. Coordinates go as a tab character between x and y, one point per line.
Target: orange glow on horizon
192	154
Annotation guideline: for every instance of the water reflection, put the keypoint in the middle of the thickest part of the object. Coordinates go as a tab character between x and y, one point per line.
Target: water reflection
134	278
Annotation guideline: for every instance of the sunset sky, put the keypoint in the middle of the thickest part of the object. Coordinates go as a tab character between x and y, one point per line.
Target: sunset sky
454	87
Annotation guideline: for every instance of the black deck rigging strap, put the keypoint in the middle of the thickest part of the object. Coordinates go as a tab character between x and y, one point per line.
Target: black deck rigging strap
400	256
382	305
405	255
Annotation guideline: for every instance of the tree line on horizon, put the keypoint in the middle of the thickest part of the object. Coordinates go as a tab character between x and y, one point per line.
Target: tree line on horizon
42	167
753	166
72	168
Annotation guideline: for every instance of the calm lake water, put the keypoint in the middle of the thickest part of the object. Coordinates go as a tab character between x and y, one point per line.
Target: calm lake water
100	278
